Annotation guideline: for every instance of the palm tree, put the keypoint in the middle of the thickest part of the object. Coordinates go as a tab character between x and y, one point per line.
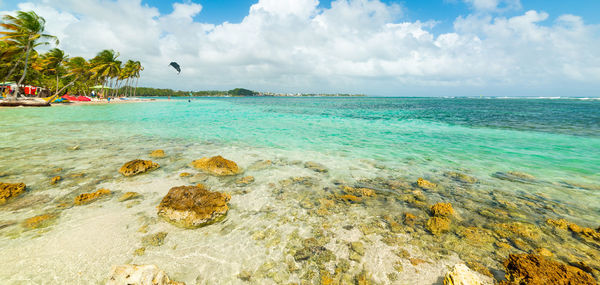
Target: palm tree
137	68
106	66
25	31
54	61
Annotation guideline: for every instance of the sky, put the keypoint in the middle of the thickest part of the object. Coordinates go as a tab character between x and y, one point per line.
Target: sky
511	48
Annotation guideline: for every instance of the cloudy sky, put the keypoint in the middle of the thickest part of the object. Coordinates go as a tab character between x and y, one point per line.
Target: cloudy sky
374	47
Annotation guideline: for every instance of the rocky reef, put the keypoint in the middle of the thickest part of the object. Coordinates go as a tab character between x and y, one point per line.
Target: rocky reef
536	270
193	206
217	165
10	190
137	166
159	153
87	198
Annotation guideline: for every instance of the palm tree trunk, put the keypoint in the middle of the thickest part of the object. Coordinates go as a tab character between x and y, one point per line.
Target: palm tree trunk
25	70
136	85
13	68
57	79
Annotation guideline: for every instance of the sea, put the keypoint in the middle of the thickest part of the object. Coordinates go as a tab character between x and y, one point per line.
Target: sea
506	165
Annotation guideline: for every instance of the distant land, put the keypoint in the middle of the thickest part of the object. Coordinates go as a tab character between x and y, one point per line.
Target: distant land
237	92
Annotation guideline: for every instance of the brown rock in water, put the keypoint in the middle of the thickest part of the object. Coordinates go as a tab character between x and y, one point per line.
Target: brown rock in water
86	198
245	181
184	174
139	275
461	177
422	183
193	206
157	239
55	179
442	210
159	153
317	167
409	219
350	198
39	221
361	192
525	230
536	270
588	234
438	225
128	196
216	165
10	190
137	166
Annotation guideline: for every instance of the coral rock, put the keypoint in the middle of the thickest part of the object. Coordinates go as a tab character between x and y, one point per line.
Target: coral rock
39	221
245	181
361	192
536	270
588	234
159	153
317	167
351	198
184	174
137	166
461	275
10	190
55	179
438	225
128	196
193	206
216	165
86	198
139	275
425	184
515	176
442	210
461	177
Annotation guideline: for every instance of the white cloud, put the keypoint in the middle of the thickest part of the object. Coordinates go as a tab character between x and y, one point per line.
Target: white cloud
494	5
356	46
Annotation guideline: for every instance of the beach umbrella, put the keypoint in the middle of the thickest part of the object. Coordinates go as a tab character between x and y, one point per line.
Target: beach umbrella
176	66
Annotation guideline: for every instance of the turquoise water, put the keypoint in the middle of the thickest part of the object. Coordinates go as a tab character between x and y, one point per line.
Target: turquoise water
362	141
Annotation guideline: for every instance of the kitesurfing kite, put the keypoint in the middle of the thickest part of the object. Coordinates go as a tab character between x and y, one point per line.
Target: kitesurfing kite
176	66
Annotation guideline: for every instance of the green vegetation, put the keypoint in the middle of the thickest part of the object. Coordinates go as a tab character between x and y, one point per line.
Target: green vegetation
54	70
145	91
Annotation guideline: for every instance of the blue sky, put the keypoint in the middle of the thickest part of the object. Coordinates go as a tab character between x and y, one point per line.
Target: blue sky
443	11
425	48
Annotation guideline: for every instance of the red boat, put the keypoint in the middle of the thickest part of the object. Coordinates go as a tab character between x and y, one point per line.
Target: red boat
83	98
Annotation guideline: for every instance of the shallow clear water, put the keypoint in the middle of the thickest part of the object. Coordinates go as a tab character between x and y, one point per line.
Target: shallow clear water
384	144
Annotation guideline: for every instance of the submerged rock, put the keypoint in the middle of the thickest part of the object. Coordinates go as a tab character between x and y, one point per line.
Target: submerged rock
39	221
217	165
55	179
441	220
536	270
193	206
442	210
588	234
515	176
361	192
438	225
139	275
137	166
128	196
460	274
156	239
461	177
245	181
184	174
159	153
10	190
317	167
86	198
422	183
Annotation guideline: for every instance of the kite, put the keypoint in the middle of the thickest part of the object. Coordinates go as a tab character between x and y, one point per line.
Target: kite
176	66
